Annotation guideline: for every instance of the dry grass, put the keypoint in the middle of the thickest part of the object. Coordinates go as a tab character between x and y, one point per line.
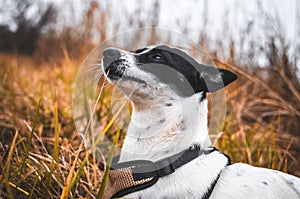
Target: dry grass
37	103
263	122
41	154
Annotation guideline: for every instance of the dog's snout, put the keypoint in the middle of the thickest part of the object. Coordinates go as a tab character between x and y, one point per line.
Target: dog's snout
110	55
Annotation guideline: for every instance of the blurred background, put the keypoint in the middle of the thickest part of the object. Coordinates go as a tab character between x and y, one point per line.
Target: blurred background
44	42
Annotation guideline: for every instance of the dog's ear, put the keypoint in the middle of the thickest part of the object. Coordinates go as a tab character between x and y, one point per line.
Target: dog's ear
215	79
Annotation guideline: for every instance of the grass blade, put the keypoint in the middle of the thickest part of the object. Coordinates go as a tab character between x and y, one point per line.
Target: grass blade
67	189
83	163
56	134
29	142
107	169
7	166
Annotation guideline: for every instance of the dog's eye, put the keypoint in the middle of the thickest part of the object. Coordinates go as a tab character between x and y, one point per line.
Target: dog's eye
157	57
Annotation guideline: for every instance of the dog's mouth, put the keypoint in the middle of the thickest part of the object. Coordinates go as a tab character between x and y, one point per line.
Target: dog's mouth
116	72
134	79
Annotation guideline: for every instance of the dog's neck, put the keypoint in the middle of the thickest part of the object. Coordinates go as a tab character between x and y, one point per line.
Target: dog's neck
165	127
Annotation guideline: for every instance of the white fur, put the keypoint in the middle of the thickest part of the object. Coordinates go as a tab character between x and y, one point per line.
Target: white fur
163	140
158	130
193	179
245	181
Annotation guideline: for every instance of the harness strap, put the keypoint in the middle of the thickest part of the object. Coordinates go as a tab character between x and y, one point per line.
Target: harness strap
131	176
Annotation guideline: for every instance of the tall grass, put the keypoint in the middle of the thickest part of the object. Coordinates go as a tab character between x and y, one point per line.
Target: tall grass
36	161
42	155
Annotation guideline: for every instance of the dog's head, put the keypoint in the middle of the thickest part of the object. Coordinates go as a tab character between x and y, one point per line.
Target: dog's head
151	72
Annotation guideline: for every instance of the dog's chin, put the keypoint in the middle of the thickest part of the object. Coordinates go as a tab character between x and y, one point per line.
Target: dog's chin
130	86
134	80
126	82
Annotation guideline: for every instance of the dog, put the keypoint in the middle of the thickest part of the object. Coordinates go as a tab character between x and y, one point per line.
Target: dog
167	89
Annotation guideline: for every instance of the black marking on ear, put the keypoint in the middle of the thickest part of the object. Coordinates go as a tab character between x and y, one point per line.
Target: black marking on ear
215	79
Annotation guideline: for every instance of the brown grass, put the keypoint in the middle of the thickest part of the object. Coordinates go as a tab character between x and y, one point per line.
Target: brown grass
41	153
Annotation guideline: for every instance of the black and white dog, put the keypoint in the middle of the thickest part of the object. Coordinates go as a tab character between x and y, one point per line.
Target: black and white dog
168	91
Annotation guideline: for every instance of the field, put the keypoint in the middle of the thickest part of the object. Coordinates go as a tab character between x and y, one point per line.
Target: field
43	156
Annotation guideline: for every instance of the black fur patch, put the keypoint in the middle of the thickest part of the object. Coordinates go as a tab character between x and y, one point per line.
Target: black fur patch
182	72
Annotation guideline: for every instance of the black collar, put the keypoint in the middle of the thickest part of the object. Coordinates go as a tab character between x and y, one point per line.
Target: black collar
145	169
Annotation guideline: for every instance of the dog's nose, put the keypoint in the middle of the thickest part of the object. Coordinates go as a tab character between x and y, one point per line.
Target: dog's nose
110	55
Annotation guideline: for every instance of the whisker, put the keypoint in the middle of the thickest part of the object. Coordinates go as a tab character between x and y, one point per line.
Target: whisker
95	59
93	69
